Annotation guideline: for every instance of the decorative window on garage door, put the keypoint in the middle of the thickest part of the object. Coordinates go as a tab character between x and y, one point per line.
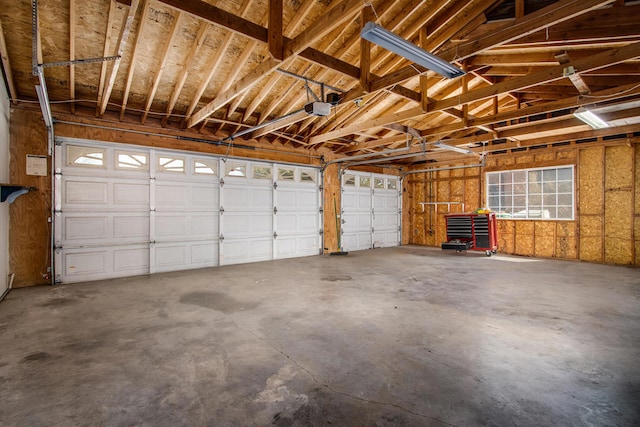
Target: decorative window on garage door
130	160
544	193
86	156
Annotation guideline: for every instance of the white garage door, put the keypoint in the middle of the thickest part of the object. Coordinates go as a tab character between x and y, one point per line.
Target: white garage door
125	210
370	211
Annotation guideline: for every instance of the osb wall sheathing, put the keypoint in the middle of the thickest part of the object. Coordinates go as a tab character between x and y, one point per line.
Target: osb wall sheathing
636	200
618	205
29	226
426	225
606	228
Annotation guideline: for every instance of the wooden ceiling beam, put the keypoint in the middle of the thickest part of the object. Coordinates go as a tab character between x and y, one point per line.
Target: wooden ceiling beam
293	118
292	27
221	17
105	52
72	54
6	65
551	15
613	23
134	58
122	41
326	23
188	65
163	63
601	60
275	31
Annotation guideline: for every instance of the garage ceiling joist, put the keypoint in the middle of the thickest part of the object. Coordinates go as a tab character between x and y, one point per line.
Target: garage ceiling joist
192	66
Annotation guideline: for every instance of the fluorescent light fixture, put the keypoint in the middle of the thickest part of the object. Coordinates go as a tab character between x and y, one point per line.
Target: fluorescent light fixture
453	148
44	106
590	118
396	44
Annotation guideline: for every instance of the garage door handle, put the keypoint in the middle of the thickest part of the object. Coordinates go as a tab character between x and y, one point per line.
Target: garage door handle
275	210
275	235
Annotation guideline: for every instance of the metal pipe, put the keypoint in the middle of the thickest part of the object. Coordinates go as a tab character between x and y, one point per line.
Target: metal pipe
186	138
303	78
262	125
477	165
367	155
384	159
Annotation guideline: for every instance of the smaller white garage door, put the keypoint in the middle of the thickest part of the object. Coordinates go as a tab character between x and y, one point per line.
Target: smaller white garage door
370	211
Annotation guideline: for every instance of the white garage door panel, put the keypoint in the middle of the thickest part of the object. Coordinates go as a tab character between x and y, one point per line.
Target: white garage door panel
85	192
238	251
205	197
241	198
247	224
86	262
205	226
171	256
170	226
131	259
171	195
124	210
86	228
370	211
82	264
205	254
91	229
131	227
189	226
131	194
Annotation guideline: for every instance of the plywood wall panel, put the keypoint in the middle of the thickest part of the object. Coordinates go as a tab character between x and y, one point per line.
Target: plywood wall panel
472	194
29	227
618	214
591	243
506	236
331	195
590	179
444	195
525	159
544	239
407	211
569	154
566	247
524	238
545	157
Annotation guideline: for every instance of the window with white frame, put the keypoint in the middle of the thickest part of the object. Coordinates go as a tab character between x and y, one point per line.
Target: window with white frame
130	160
85	156
308	175
262	172
205	166
170	164
236	169
543	193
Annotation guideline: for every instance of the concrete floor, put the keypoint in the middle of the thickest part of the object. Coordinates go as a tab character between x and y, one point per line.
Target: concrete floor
401	336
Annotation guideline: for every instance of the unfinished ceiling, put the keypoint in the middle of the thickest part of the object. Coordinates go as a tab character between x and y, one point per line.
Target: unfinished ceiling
216	68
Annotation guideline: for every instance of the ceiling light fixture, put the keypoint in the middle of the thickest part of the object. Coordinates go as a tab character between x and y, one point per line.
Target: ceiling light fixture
454	148
396	44
590	118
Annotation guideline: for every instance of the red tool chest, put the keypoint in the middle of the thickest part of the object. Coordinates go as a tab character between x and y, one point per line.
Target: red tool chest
472	231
